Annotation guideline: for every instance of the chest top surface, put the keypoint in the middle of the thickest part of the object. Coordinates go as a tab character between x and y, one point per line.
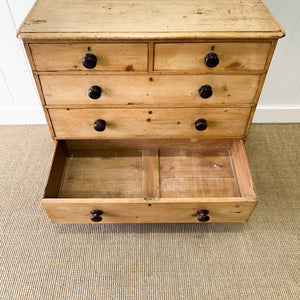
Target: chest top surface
140	19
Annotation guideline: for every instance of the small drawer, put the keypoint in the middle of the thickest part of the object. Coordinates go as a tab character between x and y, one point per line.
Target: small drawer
98	57
126	181
208	57
148	90
164	122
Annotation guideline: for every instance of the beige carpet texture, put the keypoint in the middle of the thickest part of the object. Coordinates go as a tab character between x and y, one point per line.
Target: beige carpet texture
255	260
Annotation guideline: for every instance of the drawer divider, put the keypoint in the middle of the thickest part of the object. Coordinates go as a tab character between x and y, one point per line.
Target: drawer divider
150	174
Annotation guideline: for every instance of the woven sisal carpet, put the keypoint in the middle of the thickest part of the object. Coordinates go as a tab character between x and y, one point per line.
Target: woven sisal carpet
256	260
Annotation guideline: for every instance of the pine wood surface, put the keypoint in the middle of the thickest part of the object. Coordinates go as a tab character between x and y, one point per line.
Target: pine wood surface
150	173
194	173
150	164
110	57
69	19
109	174
148	90
164	122
119	144
189	56
150	185
184	210
242	169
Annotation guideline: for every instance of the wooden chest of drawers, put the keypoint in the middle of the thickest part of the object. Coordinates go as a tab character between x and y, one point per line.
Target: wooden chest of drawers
149	104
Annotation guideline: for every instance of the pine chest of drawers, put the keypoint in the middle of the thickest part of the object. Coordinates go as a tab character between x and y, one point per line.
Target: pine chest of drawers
149	104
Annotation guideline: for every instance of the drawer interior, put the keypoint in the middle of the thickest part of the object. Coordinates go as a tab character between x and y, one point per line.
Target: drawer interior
149	181
156	169
170	172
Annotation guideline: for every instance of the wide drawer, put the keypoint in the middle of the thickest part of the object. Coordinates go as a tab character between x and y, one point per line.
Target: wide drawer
156	90
230	57
137	181
164	122
109	57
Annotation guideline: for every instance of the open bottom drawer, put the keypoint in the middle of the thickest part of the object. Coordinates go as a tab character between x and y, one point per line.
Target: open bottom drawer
149	181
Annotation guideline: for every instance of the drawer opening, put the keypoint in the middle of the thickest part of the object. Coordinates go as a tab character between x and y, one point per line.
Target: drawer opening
160	171
149	173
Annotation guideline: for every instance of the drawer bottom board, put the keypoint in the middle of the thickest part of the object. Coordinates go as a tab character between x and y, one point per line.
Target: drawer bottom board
149	185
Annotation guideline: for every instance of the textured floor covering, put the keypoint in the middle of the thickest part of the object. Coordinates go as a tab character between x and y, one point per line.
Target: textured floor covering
256	260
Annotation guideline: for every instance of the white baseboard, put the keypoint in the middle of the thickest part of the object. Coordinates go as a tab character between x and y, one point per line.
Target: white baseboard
22	116
274	114
30	116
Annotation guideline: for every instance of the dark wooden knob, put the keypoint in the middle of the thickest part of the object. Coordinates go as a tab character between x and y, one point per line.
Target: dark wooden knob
89	61
201	124
95	92
96	215
205	91
99	125
203	215
211	60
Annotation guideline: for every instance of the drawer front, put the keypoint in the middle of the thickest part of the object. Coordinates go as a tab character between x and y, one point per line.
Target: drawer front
191	56
145	211
109	57
221	122
158	90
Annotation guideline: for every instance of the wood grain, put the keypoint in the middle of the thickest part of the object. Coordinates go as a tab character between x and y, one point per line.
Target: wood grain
150	57
150	164
150	176
126	73
129	187
110	57
55	176
49	122
198	187
104	174
190	56
54	19
149	90
126	144
139	210
39	87
260	87
194	173
138	123
178	163
242	169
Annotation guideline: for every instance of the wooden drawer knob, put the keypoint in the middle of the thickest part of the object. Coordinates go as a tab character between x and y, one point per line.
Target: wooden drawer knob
211	60
96	215
99	125
203	215
205	91
201	124
89	61
95	92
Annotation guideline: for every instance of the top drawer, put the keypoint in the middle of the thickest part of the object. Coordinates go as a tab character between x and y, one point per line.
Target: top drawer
211	57
109	57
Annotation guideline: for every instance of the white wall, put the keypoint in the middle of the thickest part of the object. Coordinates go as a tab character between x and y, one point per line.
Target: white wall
19	102
280	98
